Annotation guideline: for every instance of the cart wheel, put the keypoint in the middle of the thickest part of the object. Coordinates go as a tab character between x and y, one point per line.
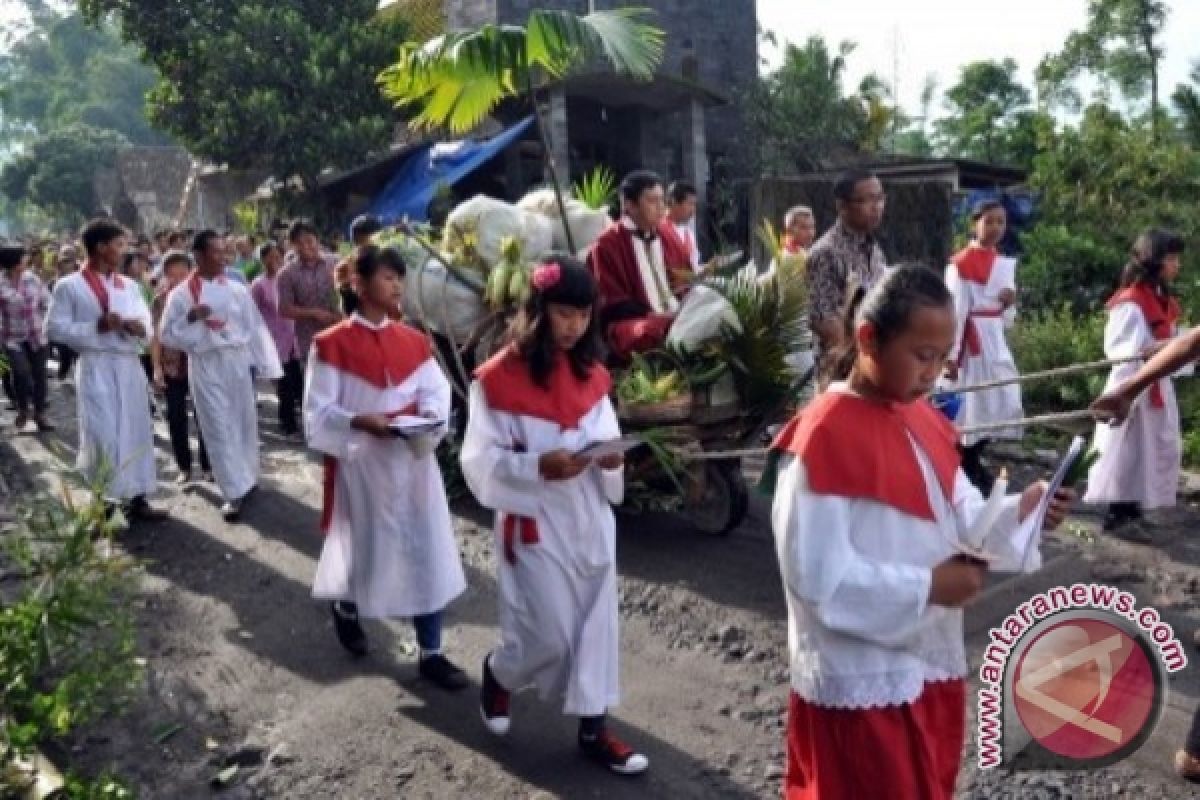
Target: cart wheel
723	501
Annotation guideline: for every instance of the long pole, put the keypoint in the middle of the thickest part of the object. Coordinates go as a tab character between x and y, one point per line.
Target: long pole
548	159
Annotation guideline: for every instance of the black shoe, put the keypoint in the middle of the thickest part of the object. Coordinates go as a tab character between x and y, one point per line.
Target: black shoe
443	673
493	702
139	510
610	751
349	632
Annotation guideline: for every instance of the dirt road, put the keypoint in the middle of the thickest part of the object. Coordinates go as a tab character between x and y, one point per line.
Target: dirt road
246	663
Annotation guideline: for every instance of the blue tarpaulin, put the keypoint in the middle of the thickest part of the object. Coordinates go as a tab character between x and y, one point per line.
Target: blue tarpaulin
411	189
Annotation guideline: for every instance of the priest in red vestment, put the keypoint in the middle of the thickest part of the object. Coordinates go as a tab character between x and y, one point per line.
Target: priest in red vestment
642	269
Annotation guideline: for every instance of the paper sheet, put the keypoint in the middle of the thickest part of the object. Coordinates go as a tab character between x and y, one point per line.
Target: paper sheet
601	449
1004	274
1038	518
406	425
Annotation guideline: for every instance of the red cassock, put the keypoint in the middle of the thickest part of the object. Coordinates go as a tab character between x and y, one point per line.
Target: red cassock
856	448
626	315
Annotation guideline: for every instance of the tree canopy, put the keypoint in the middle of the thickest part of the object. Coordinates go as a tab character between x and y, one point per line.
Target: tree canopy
988	115
287	88
54	172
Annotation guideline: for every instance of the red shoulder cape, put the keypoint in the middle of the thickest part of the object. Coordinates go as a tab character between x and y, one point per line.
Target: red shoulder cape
975	263
382	357
1161	312
509	387
856	448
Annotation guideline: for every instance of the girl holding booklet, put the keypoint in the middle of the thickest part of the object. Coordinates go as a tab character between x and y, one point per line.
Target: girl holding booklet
533	408
872	517
389	549
982	283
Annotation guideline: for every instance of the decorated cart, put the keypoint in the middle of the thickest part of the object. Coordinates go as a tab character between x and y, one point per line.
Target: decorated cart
728	371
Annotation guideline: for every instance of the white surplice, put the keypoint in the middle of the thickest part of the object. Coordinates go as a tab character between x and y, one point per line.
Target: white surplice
219	364
857	573
558	602
390	546
1139	459
995	360
116	436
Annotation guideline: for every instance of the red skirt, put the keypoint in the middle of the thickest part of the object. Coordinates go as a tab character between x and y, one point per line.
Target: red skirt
907	752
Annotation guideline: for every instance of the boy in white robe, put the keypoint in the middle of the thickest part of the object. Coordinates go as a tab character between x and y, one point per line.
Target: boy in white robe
983	285
531	409
389	549
103	318
214	320
1138	467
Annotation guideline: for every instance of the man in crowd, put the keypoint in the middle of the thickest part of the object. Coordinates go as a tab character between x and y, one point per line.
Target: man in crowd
214	321
23	301
265	291
641	268
681	211
103	317
846	257
307	292
362	229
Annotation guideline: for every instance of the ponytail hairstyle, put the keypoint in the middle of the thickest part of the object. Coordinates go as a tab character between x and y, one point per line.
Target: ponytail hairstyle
1149	253
562	279
888	306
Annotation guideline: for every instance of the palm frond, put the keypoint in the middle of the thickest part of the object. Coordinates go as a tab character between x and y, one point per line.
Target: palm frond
456	79
597	188
772	311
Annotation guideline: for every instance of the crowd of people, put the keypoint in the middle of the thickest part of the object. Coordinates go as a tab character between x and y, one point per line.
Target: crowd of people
872	551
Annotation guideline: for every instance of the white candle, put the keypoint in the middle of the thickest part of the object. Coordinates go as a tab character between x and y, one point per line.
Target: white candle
991	512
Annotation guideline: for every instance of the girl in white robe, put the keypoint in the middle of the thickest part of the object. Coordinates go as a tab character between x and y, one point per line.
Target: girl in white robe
1139	462
531	409
983	285
389	541
874	526
102	316
215	321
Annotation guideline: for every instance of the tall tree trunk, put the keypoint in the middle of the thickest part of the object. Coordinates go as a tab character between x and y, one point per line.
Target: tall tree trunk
548	159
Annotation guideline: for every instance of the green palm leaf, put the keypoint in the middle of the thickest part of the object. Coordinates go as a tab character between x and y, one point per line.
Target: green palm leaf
457	79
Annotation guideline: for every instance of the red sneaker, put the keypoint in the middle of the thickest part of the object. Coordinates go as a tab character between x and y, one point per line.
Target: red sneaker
614	754
493	702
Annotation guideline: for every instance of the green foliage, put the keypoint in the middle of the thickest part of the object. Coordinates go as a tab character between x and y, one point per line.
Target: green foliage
802	116
60	72
54	172
1055	338
1186	100
282	87
597	189
456	79
772	313
987	118
67	642
1120	47
1100	184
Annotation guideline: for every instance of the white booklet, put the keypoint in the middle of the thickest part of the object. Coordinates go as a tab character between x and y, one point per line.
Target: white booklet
1038	518
601	449
406	426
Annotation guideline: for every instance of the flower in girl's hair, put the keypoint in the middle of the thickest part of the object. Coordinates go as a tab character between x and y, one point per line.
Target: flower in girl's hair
546	276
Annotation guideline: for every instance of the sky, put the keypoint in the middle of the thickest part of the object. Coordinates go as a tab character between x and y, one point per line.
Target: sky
939	36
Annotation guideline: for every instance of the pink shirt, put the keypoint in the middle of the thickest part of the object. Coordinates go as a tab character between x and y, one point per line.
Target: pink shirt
265	291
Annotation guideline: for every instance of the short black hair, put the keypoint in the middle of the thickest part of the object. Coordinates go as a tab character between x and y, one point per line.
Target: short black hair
130	257
100	230
681	191
365	225
265	248
983	207
848	181
637	182
10	255
299	228
174	257
202	239
372	259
